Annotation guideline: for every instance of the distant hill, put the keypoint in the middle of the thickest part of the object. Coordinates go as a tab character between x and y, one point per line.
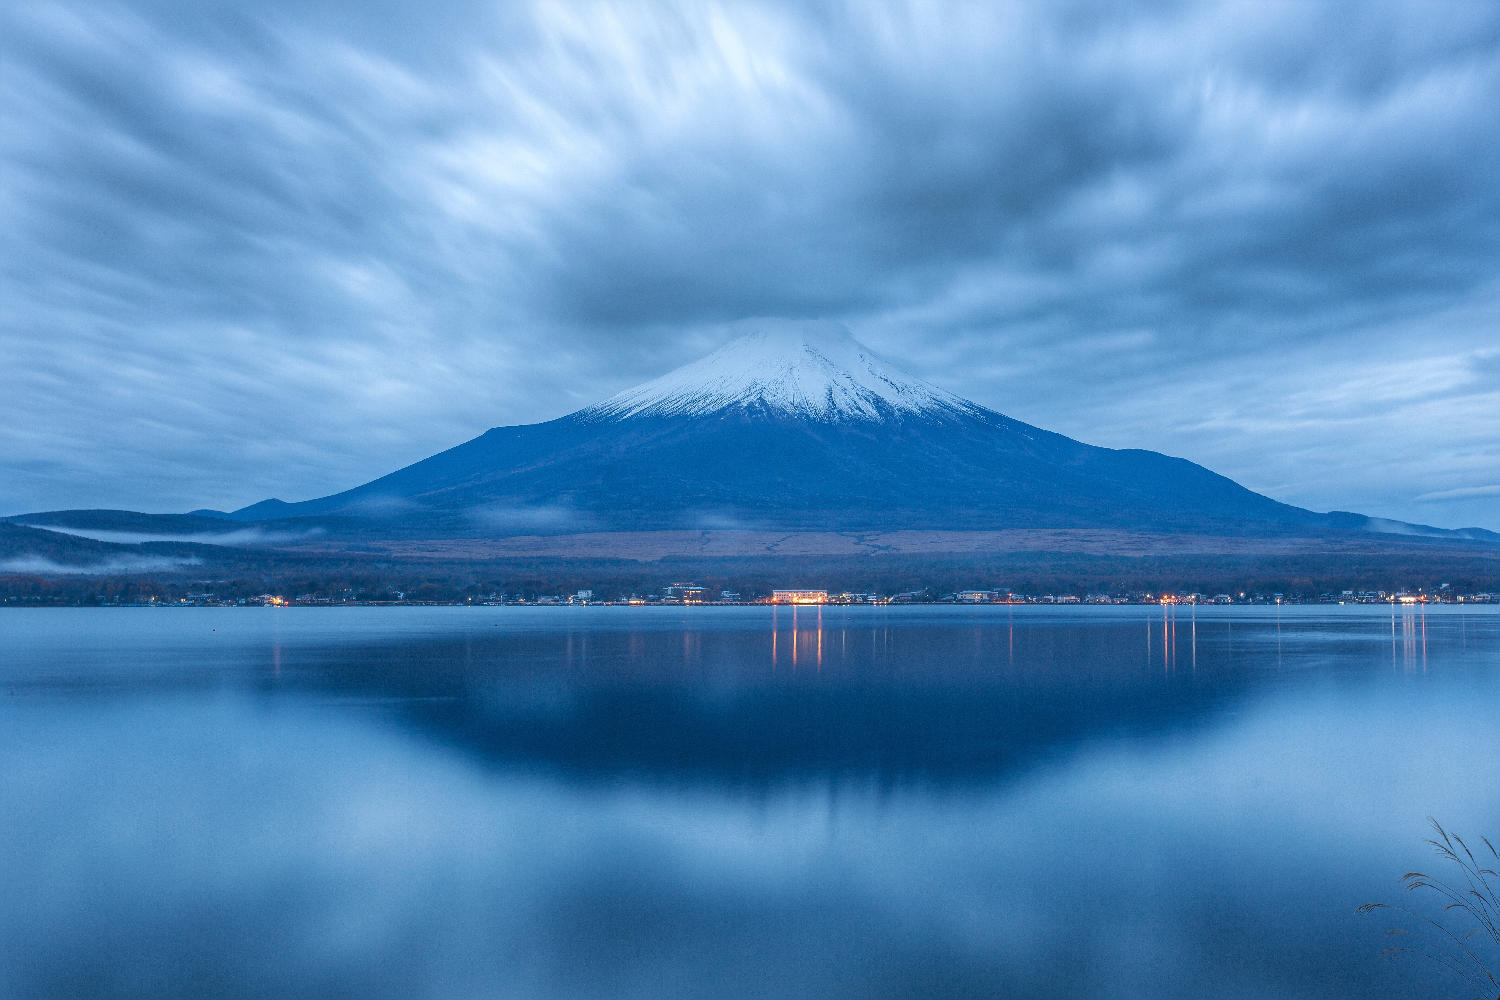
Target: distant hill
127	521
37	551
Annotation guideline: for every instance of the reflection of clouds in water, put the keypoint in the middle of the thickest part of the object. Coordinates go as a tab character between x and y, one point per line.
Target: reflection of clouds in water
236	848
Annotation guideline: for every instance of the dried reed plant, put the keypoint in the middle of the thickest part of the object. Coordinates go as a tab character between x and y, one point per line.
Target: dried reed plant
1466	938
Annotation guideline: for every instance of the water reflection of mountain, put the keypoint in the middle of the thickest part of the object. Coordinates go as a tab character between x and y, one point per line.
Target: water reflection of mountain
810	699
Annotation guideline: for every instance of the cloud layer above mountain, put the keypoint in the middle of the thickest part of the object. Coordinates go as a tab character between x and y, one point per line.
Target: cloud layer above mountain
281	249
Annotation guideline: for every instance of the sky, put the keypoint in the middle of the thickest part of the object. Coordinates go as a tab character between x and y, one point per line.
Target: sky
280	249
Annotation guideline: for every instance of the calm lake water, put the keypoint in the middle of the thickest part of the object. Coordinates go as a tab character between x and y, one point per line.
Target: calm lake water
740	802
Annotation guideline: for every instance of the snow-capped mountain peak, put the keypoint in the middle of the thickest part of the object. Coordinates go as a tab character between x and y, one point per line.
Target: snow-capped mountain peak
816	371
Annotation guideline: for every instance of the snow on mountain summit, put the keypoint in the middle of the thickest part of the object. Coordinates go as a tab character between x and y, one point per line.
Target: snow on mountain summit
816	371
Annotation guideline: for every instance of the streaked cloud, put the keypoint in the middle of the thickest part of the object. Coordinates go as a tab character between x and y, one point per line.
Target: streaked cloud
1461	493
281	250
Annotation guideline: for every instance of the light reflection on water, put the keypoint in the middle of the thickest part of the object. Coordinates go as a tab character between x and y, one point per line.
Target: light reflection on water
923	802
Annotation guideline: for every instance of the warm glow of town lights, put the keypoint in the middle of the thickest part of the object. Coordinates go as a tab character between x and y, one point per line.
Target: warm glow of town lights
799	597
681	594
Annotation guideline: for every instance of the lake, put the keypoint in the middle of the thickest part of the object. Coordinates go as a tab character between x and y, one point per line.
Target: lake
732	802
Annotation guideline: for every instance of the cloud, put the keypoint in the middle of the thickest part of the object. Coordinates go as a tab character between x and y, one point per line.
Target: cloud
42	566
1460	493
239	536
284	251
543	519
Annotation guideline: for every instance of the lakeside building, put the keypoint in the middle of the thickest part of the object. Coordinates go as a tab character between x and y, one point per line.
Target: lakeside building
999	596
799	597
685	593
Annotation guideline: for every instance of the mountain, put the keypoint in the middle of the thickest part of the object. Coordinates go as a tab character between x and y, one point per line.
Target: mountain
791	453
794	427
